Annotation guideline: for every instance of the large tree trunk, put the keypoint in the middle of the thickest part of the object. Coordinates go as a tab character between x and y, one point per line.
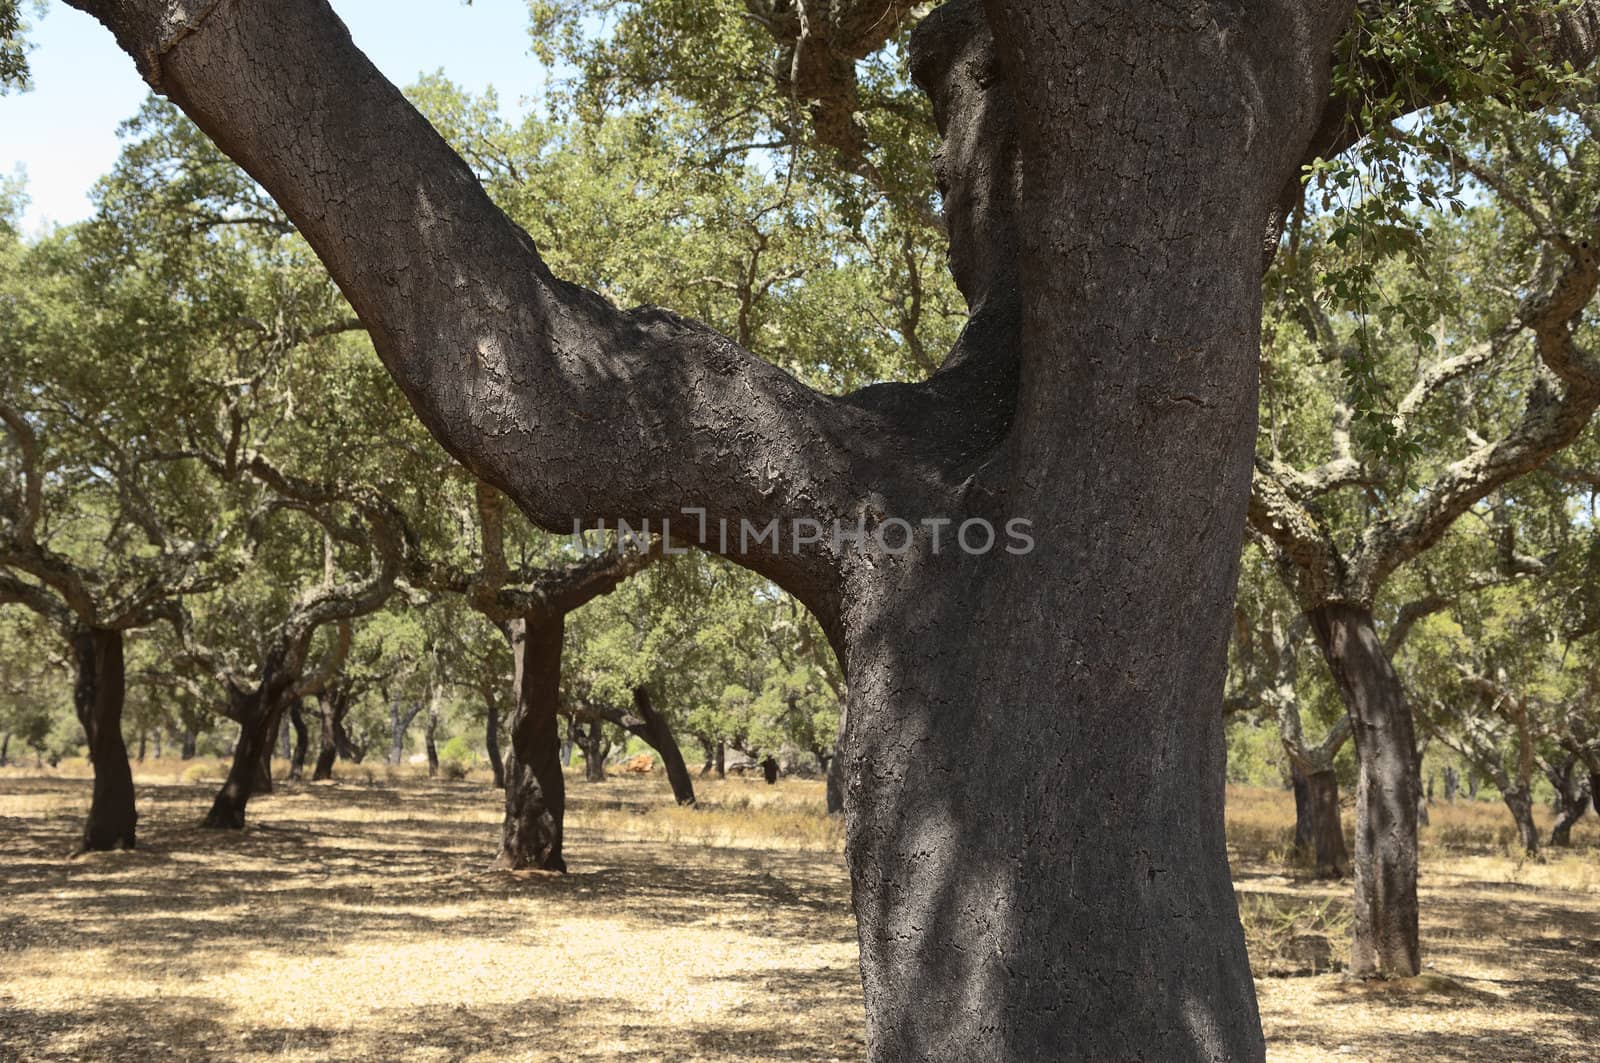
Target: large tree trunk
1075	906
536	791
658	733
297	759
1385	934
1520	801
97	695
491	743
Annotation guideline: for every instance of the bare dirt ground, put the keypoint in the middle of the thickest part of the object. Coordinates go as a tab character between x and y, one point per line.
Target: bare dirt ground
356	921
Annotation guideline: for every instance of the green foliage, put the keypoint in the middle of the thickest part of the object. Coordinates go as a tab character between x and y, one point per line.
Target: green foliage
14	45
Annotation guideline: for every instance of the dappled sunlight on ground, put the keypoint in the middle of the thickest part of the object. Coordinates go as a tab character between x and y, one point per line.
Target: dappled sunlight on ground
358	921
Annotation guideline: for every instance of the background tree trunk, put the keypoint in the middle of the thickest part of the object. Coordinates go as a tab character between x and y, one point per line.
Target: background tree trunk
1325	849
328	743
1520	801
191	744
591	738
429	743
659	734
1572	800
258	724
97	695
1385	934
297	759
262	783
491	743
536	791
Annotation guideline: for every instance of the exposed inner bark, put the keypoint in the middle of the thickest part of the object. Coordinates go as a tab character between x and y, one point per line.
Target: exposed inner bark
1385	941
535	788
98	694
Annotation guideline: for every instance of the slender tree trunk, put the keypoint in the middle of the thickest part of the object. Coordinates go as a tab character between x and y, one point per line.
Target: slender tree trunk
491	742
260	723
430	744
1561	833
143	735
328	748
1452	782
722	758
98	697
659	734
536	791
1520	801
1572	801
1385	934
263	779
1327	850
160	743
5	749
1302	808
398	722
590	737
191	744
297	760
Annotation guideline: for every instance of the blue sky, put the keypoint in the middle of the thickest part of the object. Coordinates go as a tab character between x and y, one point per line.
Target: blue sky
63	132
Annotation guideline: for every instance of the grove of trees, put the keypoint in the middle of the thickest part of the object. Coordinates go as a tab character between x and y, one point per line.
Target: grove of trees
1227	374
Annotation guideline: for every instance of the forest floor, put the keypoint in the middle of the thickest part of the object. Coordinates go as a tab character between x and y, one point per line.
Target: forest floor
357	921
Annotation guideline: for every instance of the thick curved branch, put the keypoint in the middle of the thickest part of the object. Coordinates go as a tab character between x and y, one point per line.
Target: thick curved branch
575	409
1559	407
1300	541
24	508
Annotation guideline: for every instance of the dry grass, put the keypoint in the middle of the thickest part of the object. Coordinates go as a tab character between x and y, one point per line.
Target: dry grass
355	921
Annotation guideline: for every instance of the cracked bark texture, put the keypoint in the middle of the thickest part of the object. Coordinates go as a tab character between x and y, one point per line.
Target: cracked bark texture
1109	166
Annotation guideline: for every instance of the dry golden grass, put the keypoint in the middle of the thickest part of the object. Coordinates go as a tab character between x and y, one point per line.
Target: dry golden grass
356	921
